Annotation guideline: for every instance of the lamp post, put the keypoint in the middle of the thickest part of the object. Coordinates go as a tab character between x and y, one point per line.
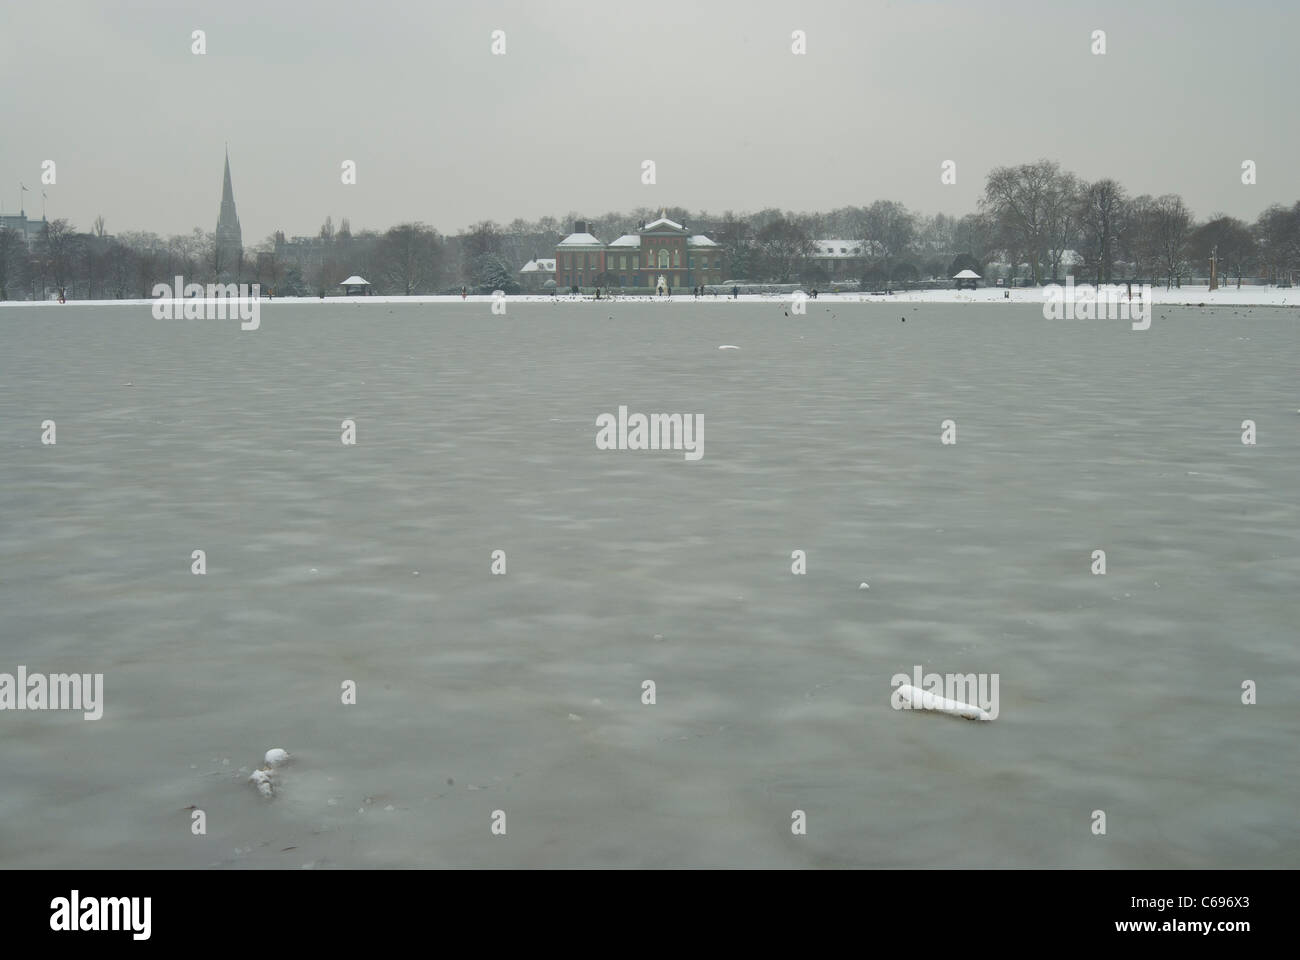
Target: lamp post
1214	267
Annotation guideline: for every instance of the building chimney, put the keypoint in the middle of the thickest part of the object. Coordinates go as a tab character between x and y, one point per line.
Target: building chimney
579	226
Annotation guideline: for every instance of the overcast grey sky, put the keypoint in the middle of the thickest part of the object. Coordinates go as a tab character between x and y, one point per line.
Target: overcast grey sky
443	131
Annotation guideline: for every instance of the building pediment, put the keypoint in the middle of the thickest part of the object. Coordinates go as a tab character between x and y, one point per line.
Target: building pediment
580	240
663	225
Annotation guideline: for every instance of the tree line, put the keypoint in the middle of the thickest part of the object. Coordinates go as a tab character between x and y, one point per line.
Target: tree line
1036	223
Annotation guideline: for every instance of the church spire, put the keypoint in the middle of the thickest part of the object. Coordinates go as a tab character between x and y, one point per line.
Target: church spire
229	239
227	191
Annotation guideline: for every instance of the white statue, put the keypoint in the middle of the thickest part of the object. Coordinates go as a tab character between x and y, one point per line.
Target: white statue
661	288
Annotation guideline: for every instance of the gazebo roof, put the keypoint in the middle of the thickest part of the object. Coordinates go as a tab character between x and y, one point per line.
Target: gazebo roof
967	275
355	281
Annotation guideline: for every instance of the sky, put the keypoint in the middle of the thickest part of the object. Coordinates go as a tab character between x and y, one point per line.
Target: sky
443	131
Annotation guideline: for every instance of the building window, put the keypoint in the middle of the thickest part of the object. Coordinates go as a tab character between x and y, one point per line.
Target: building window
677	258
663	258
566	261
636	265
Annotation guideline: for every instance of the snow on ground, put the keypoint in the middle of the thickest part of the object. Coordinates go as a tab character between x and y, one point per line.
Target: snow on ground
1250	296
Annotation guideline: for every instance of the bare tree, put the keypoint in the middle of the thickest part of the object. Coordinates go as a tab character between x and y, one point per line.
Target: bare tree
889	230
1101	211
975	236
1137	236
483	237
148	263
784	246
1226	239
87	251
270	266
1278	230
13	253
408	258
1060	219
736	239
936	242
121	267
1171	224
57	249
1027	202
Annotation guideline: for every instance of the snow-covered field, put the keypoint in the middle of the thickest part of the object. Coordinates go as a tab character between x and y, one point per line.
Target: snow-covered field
1247	296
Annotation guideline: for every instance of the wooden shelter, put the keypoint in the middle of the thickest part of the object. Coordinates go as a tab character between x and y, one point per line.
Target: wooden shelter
355	286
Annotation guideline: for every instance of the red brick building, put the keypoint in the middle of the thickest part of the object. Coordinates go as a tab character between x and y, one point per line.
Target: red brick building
660	248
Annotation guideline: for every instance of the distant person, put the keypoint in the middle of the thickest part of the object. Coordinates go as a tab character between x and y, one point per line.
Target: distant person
735	293
464	292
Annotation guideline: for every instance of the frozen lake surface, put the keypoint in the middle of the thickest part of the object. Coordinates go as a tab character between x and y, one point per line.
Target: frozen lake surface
522	693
